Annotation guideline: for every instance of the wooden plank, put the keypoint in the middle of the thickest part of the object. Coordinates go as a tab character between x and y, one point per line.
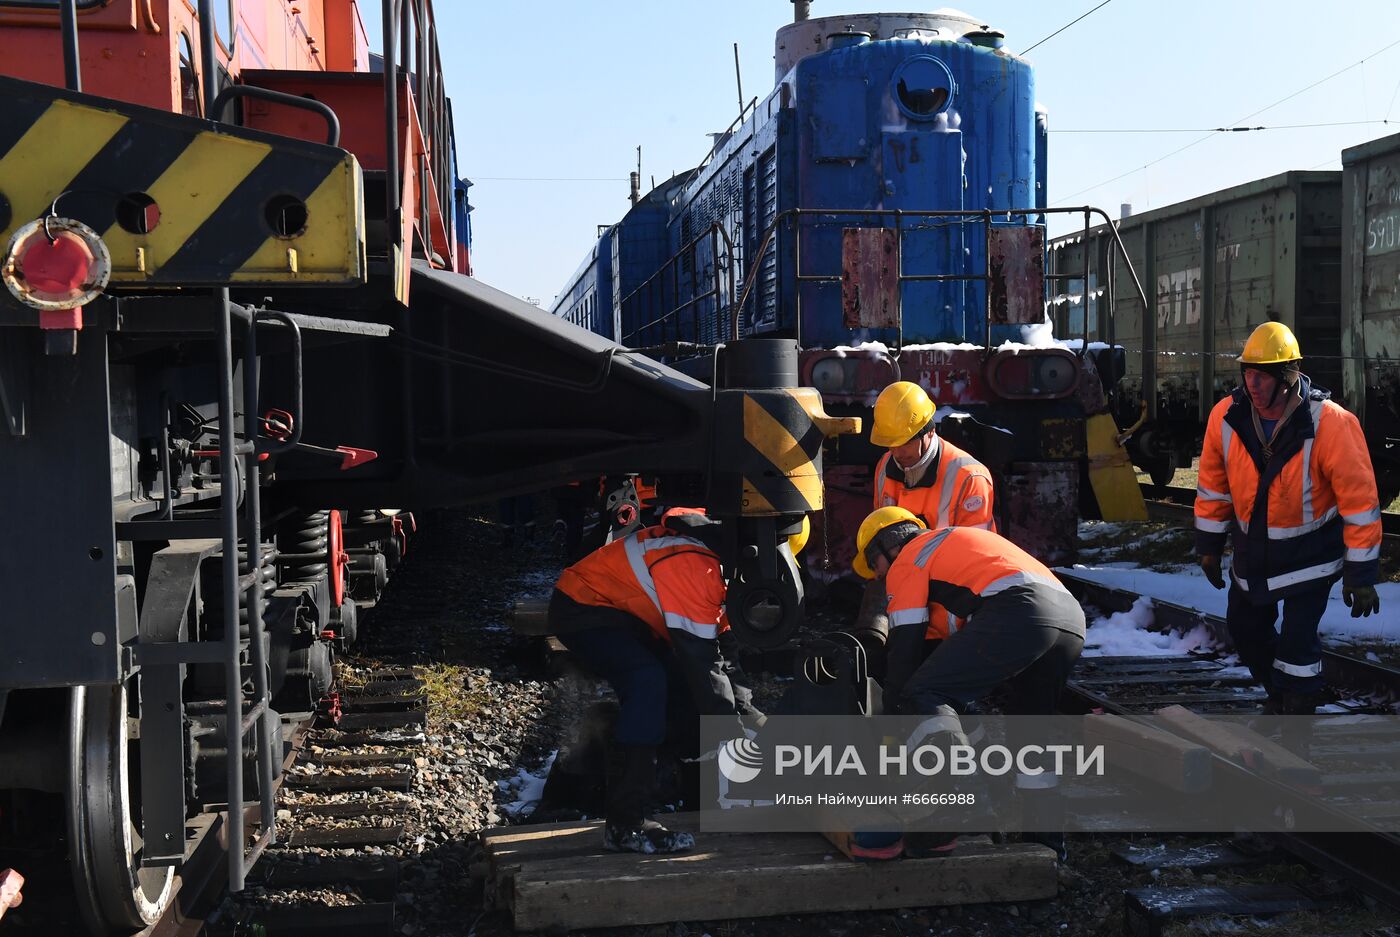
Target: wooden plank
1240	744
1361	779
383	720
1087	661
337	783
530	617
358	808
1202	857
1208	698
357	759
381	703
1148	910
375	877
332	739
584	841
1152	679
1151	753
658	889
321	921
410	685
1118	665
347	836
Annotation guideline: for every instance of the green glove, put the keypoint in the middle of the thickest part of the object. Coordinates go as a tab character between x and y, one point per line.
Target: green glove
1210	565
1362	600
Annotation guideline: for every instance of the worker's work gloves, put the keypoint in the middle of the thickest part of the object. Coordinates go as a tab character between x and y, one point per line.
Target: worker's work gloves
1362	600
1210	565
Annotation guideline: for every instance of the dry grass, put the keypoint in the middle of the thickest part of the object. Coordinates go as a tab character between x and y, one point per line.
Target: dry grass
454	693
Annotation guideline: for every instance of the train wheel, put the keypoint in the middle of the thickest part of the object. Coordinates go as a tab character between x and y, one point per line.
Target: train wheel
115	895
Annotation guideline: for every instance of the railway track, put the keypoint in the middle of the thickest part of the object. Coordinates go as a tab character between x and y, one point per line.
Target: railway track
1346	763
1176	505
343	785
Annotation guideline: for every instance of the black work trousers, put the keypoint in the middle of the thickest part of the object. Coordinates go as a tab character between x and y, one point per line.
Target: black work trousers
1288	660
1027	636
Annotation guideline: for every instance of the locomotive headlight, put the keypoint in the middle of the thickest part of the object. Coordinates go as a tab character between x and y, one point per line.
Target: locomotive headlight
1055	375
1039	374
829	375
56	263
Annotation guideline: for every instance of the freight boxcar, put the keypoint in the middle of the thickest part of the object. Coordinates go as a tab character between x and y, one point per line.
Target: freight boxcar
1370	291
1213	268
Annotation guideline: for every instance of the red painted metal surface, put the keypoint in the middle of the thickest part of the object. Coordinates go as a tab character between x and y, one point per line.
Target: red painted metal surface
870	278
1017	260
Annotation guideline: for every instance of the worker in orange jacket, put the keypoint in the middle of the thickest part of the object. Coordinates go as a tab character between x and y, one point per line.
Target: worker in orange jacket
1023	628
646	613
932	479
1285	474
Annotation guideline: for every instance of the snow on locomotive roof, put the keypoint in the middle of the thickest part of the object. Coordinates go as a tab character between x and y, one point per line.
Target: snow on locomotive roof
796	41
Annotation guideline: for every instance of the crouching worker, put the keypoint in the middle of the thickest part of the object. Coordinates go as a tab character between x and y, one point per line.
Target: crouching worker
645	613
1023	628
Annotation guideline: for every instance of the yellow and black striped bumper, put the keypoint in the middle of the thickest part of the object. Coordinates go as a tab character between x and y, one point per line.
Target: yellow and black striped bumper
223	193
768	461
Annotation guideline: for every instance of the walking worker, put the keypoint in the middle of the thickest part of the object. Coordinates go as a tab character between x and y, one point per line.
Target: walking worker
1023	628
646	613
1284	472
928	476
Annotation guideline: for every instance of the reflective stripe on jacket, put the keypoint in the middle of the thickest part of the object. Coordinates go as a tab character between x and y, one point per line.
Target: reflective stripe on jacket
1299	517
668	581
959	568
956	491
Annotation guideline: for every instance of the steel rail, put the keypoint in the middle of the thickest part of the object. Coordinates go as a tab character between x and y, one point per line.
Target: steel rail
1366	858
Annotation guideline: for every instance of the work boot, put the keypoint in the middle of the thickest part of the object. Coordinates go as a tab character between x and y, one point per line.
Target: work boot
631	775
929	845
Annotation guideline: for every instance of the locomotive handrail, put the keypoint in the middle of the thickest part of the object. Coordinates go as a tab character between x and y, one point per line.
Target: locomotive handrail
715	232
221	103
416	34
275	446
959	216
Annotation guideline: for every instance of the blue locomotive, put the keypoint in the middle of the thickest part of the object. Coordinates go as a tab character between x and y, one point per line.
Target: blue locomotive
885	205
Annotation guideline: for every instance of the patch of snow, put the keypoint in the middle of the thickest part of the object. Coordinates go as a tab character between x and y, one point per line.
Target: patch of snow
1130	634
1188	587
528	787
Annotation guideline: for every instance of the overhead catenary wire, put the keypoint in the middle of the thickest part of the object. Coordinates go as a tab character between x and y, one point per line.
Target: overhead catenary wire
476	178
1267	107
1067	26
1213	130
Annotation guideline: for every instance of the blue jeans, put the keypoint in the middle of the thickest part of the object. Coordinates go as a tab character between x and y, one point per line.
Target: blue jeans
1288	660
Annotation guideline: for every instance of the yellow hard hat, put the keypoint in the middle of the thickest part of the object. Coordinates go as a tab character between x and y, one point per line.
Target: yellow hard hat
875	522
1271	343
901	412
798	540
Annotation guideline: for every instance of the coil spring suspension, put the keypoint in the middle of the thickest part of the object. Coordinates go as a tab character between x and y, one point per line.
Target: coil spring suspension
267	574
305	534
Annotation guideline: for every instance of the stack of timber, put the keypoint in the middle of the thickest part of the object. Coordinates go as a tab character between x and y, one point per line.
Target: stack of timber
558	876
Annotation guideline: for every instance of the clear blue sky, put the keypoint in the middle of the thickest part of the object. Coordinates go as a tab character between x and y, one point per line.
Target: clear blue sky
556	90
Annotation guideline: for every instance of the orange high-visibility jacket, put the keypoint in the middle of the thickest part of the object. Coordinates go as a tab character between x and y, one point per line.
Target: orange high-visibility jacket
956	491
666	580
959	568
1299	517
